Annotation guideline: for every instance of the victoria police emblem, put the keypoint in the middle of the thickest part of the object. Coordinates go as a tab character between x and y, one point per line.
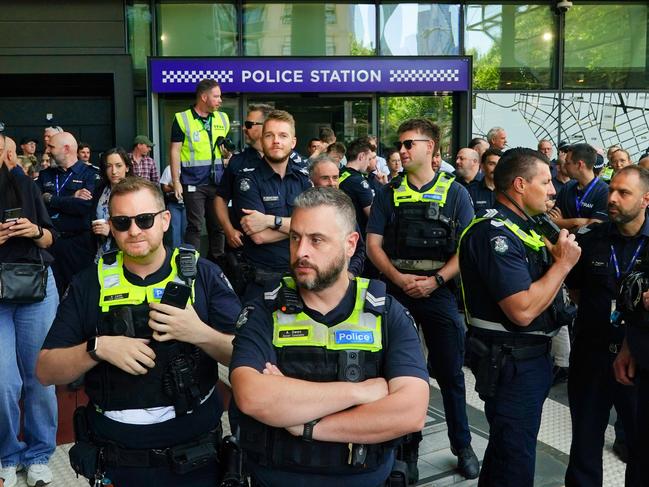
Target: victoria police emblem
243	316
244	185
500	244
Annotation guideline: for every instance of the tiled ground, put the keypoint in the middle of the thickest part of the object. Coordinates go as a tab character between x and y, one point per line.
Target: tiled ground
437	464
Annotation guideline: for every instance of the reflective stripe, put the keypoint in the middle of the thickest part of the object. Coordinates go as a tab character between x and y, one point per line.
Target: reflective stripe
494	326
344	176
437	194
194	154
188	138
418	265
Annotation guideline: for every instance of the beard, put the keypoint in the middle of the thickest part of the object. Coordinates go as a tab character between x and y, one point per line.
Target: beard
622	217
323	278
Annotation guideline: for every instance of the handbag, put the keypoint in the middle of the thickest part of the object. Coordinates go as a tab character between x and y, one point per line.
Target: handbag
22	283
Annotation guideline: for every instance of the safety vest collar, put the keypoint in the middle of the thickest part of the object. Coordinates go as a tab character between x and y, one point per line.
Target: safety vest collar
116	290
359	331
403	193
531	239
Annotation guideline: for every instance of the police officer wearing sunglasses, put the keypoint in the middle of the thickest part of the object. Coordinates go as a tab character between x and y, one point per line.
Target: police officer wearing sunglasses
151	368
412	235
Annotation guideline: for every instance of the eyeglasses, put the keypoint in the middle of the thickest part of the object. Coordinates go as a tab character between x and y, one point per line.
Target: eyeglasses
143	221
408	143
248	124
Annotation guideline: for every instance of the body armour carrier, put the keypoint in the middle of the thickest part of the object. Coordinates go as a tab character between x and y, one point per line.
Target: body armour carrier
182	373
351	351
419	230
546	324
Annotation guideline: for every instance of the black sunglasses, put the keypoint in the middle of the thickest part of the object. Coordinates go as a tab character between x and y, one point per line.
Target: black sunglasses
408	143
143	221
250	124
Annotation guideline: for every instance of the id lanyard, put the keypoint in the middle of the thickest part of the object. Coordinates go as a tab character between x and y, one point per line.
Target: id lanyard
58	189
579	201
633	259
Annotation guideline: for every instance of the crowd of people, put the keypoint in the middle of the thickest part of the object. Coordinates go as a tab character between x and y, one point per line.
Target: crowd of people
320	274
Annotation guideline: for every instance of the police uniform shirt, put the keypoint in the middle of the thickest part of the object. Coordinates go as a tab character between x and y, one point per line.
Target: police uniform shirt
483	197
457	207
215	304
244	161
403	357
265	191
69	214
595	278
478	177
493	265
589	202
357	187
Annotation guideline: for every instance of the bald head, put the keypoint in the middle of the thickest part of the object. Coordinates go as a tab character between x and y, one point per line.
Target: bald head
10	155
467	164
63	148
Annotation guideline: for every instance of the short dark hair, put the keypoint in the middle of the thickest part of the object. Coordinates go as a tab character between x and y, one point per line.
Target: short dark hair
359	146
125	159
424	127
643	175
206	85
136	183
476	142
517	162
583	152
490	152
337	147
83	145
327	135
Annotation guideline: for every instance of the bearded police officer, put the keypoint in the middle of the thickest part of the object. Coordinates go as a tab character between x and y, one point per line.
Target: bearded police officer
328	371
411	238
151	368
511	292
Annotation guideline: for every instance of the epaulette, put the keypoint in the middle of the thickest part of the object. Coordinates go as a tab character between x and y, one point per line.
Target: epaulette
375	297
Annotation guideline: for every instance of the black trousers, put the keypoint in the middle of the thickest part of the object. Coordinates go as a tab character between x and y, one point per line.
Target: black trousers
199	206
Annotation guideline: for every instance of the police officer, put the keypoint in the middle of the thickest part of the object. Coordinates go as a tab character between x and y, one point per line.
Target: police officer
151	368
197	145
324	173
67	192
248	158
582	201
482	191
510	289
467	167
328	371
263	202
353	179
609	253
411	238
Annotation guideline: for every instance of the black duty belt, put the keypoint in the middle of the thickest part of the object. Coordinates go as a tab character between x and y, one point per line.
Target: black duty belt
525	353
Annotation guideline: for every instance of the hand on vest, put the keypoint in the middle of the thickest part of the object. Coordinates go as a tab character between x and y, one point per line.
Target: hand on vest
132	355
171	323
255	222
624	366
566	251
417	286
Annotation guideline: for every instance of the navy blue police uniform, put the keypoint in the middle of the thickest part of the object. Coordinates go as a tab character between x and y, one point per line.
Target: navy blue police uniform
588	202
137	454
357	187
478	177
412	241
71	216
558	185
606	259
500	256
482	196
276	458
262	189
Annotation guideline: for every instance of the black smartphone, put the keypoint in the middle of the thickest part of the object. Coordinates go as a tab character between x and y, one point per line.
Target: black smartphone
11	214
176	294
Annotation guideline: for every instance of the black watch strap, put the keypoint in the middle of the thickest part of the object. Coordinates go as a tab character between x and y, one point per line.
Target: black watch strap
307	434
91	348
440	280
278	222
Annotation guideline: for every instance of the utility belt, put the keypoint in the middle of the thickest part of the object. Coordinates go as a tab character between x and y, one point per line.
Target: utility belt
240	272
408	265
91	455
487	356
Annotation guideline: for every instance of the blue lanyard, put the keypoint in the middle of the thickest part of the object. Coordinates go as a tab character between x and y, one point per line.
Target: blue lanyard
633	259
579	201
58	189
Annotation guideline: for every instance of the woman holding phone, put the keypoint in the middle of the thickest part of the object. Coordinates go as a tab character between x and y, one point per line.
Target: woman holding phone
25	318
114	166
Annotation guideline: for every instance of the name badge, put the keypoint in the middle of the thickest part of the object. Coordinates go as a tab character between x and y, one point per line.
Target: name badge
302	333
353	336
270	198
196	136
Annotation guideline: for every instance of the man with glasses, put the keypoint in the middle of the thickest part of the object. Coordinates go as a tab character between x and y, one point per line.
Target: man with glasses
412	237
585	199
151	368
197	137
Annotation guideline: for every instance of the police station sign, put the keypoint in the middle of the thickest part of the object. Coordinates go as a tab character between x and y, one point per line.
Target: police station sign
322	75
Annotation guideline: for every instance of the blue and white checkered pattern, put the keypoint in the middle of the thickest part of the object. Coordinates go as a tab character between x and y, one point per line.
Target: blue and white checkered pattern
194	76
410	75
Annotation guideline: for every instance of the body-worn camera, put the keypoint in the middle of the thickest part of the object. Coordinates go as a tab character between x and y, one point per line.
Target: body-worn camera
130	321
225	142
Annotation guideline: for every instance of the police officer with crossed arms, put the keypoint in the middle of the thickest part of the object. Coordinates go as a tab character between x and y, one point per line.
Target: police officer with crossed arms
327	371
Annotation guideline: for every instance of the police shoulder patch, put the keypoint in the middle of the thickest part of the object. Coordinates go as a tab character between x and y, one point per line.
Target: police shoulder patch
244	184
500	244
243	316
365	184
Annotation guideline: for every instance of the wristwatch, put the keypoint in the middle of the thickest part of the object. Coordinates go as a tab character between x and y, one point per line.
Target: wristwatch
439	279
307	434
40	233
91	348
278	222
